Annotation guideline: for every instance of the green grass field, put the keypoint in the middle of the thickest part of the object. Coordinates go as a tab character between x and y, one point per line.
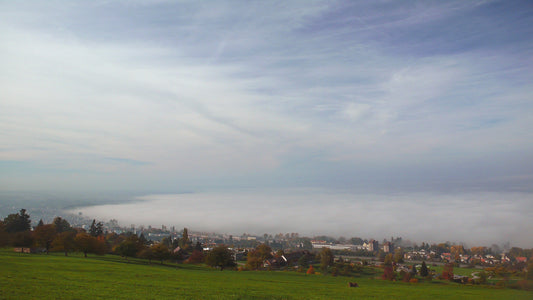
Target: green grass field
33	276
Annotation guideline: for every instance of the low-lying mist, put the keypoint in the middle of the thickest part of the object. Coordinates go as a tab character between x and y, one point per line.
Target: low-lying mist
471	218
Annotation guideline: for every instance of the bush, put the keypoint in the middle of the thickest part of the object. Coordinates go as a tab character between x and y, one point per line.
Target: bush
526	285
413	280
311	270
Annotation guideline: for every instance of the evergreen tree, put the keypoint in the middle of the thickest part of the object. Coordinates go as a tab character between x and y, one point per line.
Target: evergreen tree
198	247
41	223
61	224
424	270
184	242
143	239
97	229
17	222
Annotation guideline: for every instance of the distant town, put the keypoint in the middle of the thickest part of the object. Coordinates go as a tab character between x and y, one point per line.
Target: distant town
355	247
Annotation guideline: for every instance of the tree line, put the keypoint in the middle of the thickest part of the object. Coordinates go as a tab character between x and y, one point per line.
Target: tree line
60	236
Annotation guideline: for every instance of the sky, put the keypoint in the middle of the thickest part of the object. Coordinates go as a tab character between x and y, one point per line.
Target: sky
388	99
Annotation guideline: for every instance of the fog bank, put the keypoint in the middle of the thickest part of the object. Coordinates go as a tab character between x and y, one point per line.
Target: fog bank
472	218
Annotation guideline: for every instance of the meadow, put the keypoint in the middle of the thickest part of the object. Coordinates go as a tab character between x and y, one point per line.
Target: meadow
32	276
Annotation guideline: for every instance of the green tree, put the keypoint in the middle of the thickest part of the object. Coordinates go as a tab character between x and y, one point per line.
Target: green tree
398	256
17	222
306	245
184	242
388	260
529	270
303	262
61	224
326	259
424	270
167	241
143	239
130	246
220	257
198	247
97	229
356	241
4	236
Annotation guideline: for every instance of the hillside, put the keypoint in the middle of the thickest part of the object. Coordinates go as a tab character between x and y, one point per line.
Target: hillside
31	276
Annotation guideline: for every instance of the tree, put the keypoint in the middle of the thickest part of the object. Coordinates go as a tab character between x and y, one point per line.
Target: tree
447	272
257	257
4	236
529	271
184	241
326	259
130	246
303	262
456	251
167	241
198	247
253	261
64	242
388	270
424	270
398	255
356	241
44	235
413	271
61	224
17	222
143	239
220	257
89	244
147	253
311	270
97	229
160	252
196	257
22	239
41	223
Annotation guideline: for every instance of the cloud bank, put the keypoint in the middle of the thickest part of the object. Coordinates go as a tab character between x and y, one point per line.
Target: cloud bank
474	218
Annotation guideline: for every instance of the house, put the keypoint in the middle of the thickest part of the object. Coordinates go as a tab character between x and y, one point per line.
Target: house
521	259
372	245
274	263
446	256
388	247
292	258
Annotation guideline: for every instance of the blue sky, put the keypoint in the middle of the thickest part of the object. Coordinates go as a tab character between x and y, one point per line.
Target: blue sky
165	96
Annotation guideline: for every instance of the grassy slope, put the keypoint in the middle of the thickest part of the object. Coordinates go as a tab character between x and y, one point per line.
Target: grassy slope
25	276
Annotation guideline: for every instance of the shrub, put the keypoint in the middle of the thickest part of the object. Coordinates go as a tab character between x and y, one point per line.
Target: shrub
526	285
311	270
413	280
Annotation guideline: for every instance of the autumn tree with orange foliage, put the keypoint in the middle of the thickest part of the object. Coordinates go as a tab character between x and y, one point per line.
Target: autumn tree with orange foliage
447	273
311	270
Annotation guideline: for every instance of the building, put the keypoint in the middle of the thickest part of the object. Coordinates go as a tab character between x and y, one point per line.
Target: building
388	247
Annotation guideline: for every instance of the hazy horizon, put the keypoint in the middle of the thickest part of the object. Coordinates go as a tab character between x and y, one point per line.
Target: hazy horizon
419	217
415	104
